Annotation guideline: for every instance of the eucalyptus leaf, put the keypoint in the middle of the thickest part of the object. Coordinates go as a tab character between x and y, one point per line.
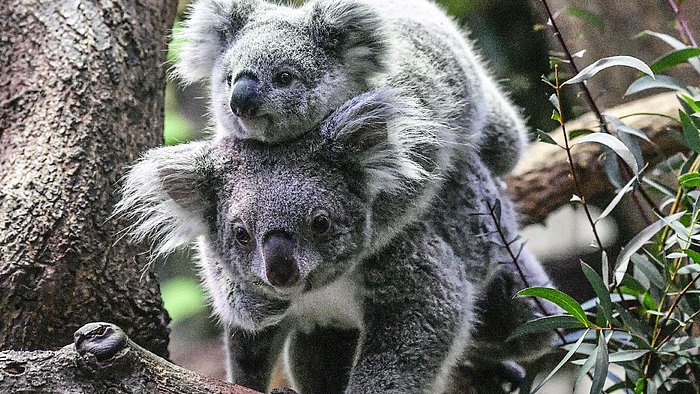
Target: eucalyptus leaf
546	138
546	323
602	64
618	197
613	143
689	269
563	300
690	180
638	241
587	365
600	290
660	82
563	361
674	58
605	269
691	134
673	42
600	373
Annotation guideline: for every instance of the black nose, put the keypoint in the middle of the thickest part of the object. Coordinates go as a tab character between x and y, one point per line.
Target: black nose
281	268
244	96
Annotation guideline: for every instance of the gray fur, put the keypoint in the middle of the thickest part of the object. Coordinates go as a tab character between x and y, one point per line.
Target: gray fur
337	49
408	279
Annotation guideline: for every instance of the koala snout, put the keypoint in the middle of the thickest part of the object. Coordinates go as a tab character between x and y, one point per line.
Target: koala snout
245	100
281	267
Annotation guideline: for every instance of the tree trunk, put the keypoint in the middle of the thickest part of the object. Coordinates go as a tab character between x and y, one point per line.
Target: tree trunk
81	95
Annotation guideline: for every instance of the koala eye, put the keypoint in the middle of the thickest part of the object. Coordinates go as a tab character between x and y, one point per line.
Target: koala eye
229	78
283	78
241	234
320	223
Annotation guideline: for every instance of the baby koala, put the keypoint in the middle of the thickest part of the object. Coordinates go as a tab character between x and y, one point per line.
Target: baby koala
318	250
275	72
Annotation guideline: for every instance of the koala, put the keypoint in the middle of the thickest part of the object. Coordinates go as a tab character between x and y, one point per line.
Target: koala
317	251
275	72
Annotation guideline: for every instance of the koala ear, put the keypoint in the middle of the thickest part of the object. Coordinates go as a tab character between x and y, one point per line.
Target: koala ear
164	196
384	137
210	26
353	31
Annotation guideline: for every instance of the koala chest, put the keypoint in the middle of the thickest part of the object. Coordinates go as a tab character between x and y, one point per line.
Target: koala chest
337	305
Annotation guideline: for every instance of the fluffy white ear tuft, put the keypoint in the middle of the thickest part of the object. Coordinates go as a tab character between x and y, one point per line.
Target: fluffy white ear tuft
211	25
387	135
353	30
164	196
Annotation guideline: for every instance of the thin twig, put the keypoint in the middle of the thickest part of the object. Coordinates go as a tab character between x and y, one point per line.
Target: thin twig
515	258
681	22
567	148
596	110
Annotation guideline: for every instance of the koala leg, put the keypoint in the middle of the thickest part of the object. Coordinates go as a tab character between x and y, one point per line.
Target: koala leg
320	361
417	319
252	355
504	137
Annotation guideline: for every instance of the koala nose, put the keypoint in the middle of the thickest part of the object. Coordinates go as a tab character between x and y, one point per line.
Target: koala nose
281	268
244	96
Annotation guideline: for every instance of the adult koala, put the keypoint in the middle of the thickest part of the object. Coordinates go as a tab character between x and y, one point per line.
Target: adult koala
316	249
275	72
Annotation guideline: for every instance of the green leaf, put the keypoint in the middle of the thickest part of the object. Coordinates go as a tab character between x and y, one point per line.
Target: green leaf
673	42
544	137
602	64
563	361
690	180
618	197
689	269
633	325
660	82
578	133
626	355
600	290
691	134
695	256
613	143
555	102
605	269
674	58
600	373
563	300
587	16
693	104
546	323
638	241
660	187
587	365
556	116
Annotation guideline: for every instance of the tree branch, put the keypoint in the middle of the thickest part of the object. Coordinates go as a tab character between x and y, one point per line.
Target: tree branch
102	360
541	182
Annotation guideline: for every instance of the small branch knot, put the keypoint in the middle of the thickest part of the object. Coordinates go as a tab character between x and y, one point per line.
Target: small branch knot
100	344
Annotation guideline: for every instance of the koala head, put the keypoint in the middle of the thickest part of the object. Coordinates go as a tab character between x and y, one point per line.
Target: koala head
277	220
276	72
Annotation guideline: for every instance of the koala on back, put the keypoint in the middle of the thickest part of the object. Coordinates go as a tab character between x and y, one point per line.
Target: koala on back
314	250
275	72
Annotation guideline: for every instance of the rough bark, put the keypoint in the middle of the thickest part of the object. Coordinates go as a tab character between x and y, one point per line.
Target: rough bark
541	182
102	360
81	94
